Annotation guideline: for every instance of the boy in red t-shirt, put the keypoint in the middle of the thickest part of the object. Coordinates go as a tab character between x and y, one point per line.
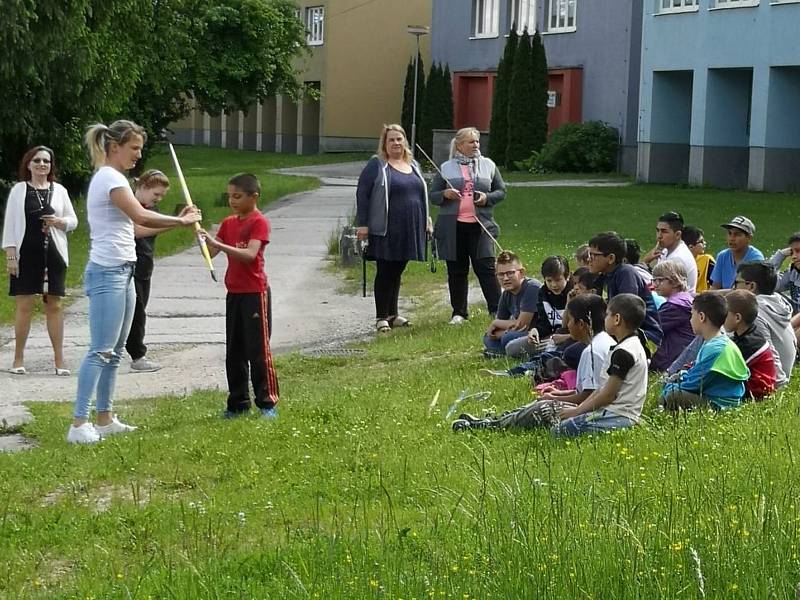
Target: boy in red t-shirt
248	314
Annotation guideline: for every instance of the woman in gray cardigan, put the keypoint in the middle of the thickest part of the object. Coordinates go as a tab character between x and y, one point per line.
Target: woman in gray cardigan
392	213
467	190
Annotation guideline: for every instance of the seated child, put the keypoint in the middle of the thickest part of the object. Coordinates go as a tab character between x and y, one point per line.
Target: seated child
517	307
586	282
694	239
774	313
674	314
740	235
618	402
549	308
608	252
582	258
789	281
633	256
583	317
717	376
752	342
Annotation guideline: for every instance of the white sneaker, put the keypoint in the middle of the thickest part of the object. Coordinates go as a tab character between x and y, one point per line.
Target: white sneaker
116	426
457	320
85	434
143	365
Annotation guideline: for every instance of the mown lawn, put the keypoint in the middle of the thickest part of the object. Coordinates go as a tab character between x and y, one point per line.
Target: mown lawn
360	489
207	171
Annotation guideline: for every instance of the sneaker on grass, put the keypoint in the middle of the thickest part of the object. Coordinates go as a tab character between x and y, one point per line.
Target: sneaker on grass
84	434
269	413
115	427
457	320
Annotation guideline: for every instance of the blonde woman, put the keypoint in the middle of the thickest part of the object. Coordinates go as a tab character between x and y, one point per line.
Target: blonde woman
468	193
112	211
39	215
671	282
392	214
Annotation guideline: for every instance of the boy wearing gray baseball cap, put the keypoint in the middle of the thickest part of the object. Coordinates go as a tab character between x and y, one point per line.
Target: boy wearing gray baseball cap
740	233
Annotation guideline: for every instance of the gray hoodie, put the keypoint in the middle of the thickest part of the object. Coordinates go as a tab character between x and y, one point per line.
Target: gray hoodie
775	313
789	280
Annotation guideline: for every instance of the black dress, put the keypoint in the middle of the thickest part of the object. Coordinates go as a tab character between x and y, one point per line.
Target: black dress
30	278
405	230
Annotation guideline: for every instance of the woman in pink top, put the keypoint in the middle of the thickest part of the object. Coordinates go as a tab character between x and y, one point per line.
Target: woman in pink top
466	192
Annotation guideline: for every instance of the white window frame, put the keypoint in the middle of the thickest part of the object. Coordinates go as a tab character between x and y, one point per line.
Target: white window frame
315	25
726	4
523	13
561	9
486	19
664	7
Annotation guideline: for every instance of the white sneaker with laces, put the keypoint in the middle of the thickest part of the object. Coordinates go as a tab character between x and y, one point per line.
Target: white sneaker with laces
457	320
116	426
85	434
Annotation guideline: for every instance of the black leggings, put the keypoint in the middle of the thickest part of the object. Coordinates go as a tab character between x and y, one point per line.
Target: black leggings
387	287
468	236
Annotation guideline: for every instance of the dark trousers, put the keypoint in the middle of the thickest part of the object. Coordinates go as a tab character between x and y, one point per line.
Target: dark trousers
248	321
387	287
467	237
135	344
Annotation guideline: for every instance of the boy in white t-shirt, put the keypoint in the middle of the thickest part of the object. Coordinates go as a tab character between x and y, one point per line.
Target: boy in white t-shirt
618	403
583	317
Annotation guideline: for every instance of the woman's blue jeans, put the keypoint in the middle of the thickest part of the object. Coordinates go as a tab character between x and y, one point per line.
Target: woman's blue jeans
111	302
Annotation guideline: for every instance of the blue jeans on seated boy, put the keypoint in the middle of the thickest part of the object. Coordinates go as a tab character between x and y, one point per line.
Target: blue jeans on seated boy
598	421
498	346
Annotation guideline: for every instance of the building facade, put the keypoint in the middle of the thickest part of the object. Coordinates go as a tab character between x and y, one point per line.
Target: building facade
720	92
593	54
359	52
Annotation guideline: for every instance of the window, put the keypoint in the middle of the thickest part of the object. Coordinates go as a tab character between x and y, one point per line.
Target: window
561	15
315	25
667	6
523	14
486	17
734	3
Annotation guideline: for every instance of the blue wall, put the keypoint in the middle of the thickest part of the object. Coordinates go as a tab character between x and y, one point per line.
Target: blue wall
606	45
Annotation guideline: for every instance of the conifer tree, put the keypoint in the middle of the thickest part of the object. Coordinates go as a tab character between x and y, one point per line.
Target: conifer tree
431	109
540	87
498	127
447	99
521	127
406	117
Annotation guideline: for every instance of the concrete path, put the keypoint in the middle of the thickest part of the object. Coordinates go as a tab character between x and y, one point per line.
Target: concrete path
186	324
347	174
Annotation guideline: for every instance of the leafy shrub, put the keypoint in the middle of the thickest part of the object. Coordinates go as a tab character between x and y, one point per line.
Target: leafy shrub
589	147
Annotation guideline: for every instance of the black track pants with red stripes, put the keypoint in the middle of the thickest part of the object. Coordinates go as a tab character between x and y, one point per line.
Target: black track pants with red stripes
248	322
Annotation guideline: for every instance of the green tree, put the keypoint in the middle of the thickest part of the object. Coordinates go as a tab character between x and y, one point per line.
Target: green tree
64	65
406	118
430	108
521	124
498	127
539	99
447	98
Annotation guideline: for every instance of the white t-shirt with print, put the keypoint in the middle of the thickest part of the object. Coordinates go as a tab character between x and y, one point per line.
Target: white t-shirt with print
590	367
111	230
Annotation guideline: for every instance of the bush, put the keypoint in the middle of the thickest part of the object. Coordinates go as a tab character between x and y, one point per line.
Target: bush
578	148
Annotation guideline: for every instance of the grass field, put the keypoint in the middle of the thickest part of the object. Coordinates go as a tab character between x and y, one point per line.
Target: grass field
207	171
360	489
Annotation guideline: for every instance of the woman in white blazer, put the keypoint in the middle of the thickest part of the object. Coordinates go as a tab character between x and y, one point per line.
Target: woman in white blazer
39	215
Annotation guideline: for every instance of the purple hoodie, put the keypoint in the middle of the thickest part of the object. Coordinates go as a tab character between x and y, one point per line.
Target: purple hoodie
674	315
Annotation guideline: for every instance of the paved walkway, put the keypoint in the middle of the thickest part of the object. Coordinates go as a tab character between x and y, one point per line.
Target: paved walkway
186	324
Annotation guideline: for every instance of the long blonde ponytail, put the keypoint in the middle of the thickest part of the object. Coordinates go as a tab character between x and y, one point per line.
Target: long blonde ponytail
99	136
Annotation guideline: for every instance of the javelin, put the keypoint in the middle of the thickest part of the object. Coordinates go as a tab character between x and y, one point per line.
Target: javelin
188	197
452	187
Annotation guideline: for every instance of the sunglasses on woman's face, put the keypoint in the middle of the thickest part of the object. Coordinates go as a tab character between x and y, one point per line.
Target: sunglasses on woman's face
39	161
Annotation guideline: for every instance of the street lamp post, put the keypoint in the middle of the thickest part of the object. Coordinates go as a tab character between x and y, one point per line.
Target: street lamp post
417	31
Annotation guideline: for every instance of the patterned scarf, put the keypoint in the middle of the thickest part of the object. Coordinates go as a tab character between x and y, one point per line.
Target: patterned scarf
469	161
